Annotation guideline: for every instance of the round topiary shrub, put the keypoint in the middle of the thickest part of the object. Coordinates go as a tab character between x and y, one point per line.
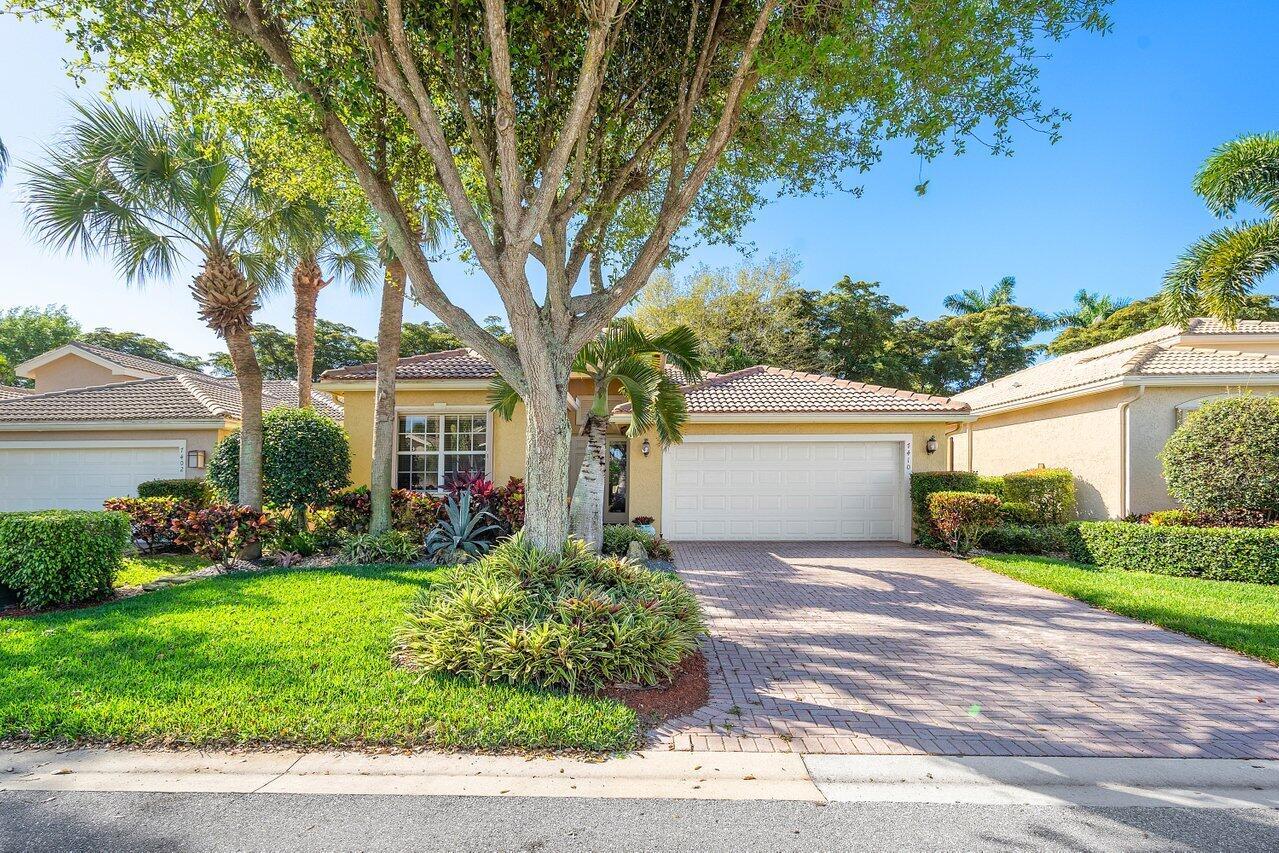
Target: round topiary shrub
1225	456
575	620
305	458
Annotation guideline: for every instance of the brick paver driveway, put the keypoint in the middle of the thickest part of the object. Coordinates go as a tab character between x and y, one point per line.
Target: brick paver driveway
881	648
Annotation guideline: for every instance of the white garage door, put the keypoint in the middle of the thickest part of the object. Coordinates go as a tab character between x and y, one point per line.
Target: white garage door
71	475
747	488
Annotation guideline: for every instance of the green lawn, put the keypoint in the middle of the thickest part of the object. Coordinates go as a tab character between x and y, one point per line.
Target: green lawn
140	570
289	656
1239	616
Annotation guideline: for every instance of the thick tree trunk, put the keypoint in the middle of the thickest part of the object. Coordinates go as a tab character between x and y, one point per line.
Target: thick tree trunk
248	378
547	438
587	511
389	329
308	280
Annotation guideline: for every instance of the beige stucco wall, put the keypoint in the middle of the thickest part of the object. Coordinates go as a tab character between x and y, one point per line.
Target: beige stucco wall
1153	419
508	452
196	439
72	371
1081	434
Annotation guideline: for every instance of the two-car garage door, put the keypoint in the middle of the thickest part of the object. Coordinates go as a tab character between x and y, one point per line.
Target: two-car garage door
742	487
81	475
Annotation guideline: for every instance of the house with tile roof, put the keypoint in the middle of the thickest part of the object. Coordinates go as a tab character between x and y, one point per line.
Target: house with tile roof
99	422
768	454
1105	413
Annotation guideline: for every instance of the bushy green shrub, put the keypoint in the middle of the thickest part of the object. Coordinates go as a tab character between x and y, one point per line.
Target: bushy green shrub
989	486
961	517
1210	518
221	532
1043	539
192	491
61	557
305	458
1225	455
925	483
1018	512
618	539
1243	554
1050	491
393	546
573	620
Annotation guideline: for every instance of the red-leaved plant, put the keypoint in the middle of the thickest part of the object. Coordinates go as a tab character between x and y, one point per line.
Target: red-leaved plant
220	532
962	517
151	519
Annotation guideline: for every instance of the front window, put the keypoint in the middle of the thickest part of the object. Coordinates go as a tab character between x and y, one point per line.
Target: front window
431	448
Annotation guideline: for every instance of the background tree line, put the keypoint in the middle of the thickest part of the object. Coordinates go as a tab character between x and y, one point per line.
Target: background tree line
759	314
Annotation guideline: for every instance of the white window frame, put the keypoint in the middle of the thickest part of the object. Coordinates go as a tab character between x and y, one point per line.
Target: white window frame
441	411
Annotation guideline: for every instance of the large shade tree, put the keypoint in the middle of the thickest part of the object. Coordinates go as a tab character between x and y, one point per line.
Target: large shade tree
1216	274
584	138
147	193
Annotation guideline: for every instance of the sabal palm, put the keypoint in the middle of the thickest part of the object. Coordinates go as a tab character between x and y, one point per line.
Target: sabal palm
321	252
974	301
622	356
147	194
1090	309
1217	273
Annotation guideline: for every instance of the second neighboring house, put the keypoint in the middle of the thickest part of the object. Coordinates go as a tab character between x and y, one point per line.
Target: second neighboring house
768	454
100	422
1105	413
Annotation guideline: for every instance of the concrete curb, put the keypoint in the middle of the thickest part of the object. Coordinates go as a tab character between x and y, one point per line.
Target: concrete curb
1157	782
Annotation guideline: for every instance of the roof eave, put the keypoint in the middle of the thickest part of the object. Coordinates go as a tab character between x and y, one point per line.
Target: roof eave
339	385
817	417
1129	381
165	424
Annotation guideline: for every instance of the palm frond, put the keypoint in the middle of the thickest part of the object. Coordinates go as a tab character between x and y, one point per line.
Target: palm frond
1242	170
502	398
683	349
1237	258
670	412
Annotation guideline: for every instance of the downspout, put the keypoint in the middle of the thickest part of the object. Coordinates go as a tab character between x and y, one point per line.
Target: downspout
950	446
1125	453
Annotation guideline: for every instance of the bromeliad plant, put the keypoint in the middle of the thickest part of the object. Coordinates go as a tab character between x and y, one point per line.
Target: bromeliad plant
464	532
573	620
624	357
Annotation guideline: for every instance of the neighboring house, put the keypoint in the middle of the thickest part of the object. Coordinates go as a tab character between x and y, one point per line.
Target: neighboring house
8	392
1105	413
768	454
75	447
81	365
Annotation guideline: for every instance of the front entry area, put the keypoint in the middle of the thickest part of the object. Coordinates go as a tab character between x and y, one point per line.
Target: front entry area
796	487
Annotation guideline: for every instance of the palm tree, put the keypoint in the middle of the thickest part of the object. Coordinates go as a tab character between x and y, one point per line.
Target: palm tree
974	301
145	193
4	160
321	253
1090	309
622	355
1218	271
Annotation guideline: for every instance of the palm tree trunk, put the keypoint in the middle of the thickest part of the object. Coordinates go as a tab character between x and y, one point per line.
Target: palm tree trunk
248	378
389	329
308	280
587	514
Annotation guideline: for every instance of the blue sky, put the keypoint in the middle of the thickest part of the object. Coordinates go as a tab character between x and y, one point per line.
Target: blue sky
1107	208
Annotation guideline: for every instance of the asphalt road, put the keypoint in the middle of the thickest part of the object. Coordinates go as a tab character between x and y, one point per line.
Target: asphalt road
41	820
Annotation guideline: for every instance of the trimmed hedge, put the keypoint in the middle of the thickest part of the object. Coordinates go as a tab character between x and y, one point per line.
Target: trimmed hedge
1223	457
926	483
305	458
59	556
1249	555
1049	491
1043	540
194	491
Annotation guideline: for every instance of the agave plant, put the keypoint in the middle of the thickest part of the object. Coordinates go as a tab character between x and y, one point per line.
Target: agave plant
462	531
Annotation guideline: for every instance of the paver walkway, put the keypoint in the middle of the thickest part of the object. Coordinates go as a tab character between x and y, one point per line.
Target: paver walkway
882	648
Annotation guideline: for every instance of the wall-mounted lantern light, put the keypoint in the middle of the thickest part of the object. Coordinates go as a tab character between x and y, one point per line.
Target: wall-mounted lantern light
196	459
931	444
644	448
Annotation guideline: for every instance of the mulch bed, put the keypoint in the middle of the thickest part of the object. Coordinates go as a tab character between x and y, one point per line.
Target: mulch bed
688	690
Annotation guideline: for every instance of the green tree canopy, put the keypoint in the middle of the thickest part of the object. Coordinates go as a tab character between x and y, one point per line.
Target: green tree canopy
28	331
336	345
305	458
1142	316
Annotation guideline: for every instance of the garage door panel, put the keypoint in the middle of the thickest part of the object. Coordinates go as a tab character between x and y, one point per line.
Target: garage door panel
53	476
759	489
